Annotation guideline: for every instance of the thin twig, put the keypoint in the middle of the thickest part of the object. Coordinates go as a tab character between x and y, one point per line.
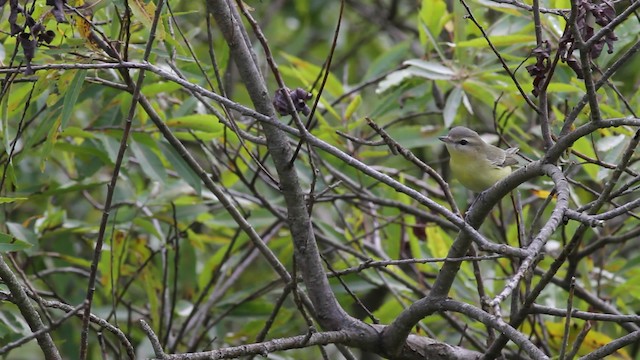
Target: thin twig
84	339
497	53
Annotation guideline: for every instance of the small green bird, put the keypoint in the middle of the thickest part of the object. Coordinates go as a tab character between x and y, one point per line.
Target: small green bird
476	164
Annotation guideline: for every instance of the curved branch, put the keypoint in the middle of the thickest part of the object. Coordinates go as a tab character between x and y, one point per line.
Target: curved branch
403	324
329	313
124	341
535	248
28	311
492	321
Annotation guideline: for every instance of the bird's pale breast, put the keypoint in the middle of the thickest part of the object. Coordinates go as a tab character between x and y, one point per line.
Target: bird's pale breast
476	174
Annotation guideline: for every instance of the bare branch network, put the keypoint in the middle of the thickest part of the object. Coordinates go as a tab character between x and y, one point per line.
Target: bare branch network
236	207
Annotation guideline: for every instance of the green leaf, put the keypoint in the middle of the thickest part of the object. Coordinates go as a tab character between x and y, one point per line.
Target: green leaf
71	97
149	161
144	12
4	200
17	97
486	95
393	79
417	249
11	321
84	151
308	73
451	106
412	137
160	87
67	188
388	312
438	242
430	70
353	106
9	243
22	233
203	122
49	120
149	278
195	134
110	145
147	226
562	87
181	167
12	180
5	124
433	14
52	137
585	146
608	143
609	111
500	40
251	308
388	60
73	131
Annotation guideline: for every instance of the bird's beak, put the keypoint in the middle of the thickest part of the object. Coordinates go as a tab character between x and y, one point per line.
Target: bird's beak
444	139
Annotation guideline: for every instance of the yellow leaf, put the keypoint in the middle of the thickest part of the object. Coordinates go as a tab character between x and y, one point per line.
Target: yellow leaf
353	106
592	341
145	13
542	194
438	242
84	27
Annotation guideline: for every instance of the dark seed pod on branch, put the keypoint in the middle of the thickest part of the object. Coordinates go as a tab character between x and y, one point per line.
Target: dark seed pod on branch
299	97
47	36
540	69
28	48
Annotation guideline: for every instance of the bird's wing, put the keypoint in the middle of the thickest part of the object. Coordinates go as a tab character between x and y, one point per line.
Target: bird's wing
507	158
510	157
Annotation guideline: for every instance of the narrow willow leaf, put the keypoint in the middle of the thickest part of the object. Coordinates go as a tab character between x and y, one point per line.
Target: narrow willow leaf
353	106
308	72
502	40
144	12
22	233
181	167
149	161
52	137
9	243
5	124
71	97
204	122
451	106
4	200
432	67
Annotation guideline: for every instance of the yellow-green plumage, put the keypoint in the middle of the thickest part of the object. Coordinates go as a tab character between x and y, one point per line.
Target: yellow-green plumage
476	164
475	173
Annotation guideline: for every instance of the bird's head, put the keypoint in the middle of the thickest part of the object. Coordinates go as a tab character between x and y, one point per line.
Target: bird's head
463	140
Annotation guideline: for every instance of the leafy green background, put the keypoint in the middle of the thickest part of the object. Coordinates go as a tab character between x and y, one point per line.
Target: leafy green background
415	68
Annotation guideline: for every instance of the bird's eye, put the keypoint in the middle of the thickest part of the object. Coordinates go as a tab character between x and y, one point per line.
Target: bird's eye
463	142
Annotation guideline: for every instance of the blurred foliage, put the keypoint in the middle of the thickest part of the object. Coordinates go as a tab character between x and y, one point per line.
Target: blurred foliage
415	68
